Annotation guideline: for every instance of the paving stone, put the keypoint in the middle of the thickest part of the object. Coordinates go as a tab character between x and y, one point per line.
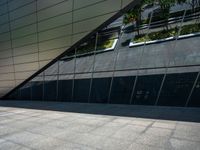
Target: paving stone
102	142
12	146
92	122
179	144
46	130
74	146
54	116
38	120
56	130
82	128
141	122
114	144
22	124
164	125
126	135
2	140
59	124
187	132
6	130
6	121
68	135
153	140
19	117
159	131
191	127
135	146
24	138
105	130
135	128
187	135
122	121
46	143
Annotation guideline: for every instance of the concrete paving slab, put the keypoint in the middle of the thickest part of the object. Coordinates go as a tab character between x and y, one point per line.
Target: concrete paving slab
42	128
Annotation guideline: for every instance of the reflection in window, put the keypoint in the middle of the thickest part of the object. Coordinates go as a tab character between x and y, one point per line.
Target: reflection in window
121	90
195	97
65	90
87	47
37	88
100	90
146	90
81	90
176	89
50	88
25	92
107	38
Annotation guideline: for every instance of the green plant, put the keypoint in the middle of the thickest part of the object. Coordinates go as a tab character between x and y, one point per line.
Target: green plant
105	44
186	29
165	6
134	15
156	35
89	47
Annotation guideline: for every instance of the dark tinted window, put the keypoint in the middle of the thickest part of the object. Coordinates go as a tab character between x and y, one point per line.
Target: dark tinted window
15	95
100	90
146	90
25	93
37	90
81	90
121	90
65	90
195	98
176	89
50	90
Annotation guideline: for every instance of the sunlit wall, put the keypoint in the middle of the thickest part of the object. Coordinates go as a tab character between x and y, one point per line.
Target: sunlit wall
33	32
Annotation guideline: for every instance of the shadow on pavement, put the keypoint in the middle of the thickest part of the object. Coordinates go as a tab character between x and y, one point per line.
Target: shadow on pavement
148	112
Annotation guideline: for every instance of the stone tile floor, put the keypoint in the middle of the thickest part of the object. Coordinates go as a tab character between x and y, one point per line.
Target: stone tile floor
23	127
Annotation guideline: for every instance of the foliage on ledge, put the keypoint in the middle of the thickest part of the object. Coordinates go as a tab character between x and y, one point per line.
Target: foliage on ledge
187	29
100	46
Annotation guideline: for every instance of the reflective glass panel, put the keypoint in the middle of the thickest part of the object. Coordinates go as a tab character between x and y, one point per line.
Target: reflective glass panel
121	90
176	89
146	90
100	90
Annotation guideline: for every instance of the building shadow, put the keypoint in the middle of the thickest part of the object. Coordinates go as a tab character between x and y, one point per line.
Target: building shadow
147	112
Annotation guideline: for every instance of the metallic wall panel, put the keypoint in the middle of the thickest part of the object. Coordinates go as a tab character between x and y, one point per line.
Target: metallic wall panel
33	32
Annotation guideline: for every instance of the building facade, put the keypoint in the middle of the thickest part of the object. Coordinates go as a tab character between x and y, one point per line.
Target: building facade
34	32
143	56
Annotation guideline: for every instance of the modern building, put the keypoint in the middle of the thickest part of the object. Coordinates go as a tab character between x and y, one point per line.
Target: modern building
102	51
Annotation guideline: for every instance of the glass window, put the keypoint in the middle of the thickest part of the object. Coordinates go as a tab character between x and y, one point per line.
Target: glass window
195	98
37	88
86	47
146	89
52	70
100	90
66	63
65	90
25	92
176	89
81	90
15	95
50	88
121	90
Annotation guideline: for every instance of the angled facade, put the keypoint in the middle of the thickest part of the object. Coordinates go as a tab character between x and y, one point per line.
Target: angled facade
141	55
34	32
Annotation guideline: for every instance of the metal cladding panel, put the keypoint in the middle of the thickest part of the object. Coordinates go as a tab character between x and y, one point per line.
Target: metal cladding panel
34	32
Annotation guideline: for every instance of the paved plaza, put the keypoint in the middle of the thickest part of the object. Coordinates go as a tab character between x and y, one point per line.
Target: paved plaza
70	126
